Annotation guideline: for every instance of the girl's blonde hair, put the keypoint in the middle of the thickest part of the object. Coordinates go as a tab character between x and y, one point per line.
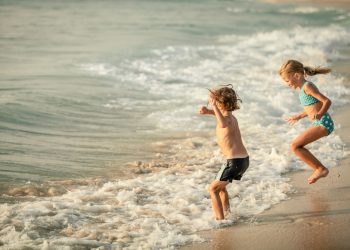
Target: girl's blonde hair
293	66
226	97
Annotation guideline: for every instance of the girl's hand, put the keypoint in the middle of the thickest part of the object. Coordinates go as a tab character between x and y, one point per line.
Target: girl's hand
204	110
317	117
293	119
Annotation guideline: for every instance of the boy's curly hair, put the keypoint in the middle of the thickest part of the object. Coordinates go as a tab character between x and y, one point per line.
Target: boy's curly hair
226	97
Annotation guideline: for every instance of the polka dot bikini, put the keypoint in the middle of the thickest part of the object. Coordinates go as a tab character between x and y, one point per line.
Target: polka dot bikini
306	100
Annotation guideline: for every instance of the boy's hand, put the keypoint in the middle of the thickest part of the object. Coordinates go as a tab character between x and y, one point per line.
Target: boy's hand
293	119
204	110
212	101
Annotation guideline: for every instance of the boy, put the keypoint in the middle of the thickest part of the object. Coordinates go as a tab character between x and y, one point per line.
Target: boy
223	101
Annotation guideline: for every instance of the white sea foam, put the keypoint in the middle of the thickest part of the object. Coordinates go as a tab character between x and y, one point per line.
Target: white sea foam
302	10
165	209
161	210
99	69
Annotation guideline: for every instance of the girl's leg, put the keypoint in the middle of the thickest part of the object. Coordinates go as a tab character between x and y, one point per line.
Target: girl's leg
310	135
214	189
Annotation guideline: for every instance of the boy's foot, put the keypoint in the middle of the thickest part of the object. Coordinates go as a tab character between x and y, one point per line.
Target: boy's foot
317	175
227	213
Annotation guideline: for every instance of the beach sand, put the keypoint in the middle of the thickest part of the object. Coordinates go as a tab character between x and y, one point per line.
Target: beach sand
315	217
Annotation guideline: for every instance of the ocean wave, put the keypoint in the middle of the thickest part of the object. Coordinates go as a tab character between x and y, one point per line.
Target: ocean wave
167	203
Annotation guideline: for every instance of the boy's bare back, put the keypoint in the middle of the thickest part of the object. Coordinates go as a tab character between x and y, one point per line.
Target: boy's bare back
224	101
229	138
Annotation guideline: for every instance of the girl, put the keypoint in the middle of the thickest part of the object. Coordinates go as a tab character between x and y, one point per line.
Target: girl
315	106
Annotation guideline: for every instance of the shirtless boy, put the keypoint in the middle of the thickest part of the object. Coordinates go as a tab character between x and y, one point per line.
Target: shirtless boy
223	101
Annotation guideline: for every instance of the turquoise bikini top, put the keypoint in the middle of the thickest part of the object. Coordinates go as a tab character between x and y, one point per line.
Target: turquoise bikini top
305	99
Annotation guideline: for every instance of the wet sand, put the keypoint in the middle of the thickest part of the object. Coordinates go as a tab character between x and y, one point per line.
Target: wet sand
316	216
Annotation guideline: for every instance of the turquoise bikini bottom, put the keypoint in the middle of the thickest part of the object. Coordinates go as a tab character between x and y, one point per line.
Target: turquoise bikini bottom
326	121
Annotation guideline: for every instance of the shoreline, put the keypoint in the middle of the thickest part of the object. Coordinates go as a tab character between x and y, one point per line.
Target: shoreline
316	216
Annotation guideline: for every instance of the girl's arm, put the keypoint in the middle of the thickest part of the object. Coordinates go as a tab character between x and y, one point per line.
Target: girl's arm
219	117
295	118
326	103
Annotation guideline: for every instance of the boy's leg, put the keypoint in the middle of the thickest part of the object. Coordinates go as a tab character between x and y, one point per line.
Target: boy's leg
225	201
215	188
310	135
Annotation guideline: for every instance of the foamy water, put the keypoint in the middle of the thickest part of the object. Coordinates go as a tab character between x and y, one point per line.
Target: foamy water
83	96
167	204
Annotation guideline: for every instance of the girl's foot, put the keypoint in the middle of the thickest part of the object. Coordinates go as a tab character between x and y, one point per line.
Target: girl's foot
317	175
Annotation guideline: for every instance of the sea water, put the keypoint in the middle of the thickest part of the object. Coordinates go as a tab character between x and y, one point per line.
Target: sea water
101	142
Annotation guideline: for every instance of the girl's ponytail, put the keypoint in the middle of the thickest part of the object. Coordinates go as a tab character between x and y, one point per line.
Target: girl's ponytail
293	66
314	71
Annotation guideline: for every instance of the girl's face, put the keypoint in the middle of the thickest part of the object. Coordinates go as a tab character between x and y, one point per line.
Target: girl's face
293	80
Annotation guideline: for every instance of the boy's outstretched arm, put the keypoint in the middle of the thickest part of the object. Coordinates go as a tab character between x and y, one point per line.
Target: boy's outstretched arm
205	111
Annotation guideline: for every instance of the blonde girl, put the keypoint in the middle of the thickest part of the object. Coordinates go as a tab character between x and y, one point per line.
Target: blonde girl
315	106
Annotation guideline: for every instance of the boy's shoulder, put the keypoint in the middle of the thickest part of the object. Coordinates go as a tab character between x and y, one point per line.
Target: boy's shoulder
231	118
231	115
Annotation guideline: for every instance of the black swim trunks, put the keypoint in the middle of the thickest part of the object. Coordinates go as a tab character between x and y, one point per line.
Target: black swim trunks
233	169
